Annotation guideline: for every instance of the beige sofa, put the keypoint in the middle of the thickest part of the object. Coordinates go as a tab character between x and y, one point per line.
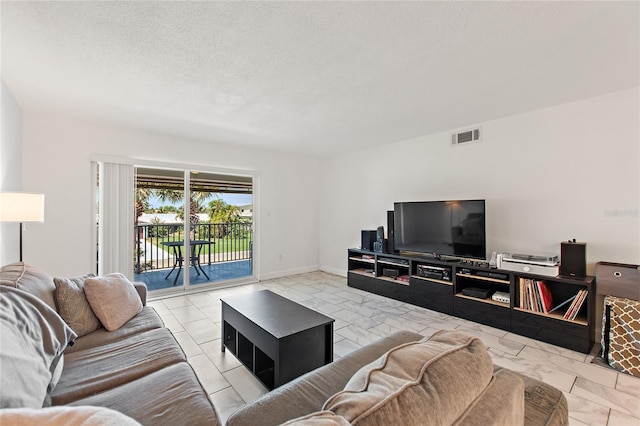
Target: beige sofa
139	369
407	379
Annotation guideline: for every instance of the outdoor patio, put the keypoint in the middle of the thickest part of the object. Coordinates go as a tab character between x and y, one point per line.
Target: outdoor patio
221	251
224	271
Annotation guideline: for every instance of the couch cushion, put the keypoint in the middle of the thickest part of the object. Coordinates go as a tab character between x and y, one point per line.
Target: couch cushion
99	368
55	416
441	376
113	298
501	403
544	404
73	306
170	396
146	320
319	418
33	338
30	279
309	392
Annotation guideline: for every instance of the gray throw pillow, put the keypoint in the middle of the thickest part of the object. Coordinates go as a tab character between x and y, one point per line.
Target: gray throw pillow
73	306
33	338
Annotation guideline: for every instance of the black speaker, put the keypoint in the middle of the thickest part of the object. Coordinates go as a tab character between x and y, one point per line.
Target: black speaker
391	248
573	259
380	233
368	238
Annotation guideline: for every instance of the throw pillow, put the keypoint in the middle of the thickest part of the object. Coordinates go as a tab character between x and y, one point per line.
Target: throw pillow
439	378
63	415
30	279
113	299
33	338
73	306
319	418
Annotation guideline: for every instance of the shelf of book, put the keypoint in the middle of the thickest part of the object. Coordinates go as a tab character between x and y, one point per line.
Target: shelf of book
545	297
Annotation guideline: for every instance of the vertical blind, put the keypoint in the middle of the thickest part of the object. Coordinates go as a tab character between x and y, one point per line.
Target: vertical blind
116	211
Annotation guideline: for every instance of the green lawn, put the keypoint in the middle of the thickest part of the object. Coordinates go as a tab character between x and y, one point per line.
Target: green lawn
220	245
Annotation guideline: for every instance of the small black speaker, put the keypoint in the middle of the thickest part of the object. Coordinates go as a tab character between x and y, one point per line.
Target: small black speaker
368	238
391	248
573	259
380	233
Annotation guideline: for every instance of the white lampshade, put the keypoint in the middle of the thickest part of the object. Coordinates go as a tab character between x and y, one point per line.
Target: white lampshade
21	207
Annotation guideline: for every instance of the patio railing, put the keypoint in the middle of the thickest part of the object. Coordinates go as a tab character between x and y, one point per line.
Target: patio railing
229	242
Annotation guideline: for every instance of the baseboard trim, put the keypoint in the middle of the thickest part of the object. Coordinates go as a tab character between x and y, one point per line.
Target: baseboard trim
335	271
288	272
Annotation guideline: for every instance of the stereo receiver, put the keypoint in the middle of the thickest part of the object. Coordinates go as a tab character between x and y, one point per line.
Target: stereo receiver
436	272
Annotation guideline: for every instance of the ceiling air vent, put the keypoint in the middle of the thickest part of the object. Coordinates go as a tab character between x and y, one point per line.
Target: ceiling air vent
467	136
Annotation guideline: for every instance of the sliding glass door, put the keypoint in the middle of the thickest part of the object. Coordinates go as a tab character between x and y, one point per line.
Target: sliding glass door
193	228
159	228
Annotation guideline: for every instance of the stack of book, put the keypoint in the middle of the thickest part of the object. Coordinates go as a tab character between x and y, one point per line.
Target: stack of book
535	296
578	301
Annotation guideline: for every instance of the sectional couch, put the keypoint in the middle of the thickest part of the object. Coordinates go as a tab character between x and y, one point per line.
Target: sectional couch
136	373
138	369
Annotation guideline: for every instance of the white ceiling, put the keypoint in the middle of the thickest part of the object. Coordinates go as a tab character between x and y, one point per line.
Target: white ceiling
314	77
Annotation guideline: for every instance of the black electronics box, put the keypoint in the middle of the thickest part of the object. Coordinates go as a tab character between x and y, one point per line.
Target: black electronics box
478	293
391	273
436	272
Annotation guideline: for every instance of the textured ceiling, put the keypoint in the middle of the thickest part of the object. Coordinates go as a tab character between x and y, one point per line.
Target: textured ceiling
314	77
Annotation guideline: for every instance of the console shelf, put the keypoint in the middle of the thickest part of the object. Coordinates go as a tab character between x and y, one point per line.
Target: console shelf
481	278
362	272
557	316
433	280
360	259
440	289
489	301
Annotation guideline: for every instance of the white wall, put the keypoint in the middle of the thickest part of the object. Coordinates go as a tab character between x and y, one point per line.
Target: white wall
10	169
570	171
57	162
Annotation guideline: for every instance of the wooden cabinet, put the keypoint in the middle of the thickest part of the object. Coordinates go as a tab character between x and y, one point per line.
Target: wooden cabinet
456	288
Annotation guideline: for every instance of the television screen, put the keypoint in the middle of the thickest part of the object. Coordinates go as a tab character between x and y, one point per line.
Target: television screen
449	228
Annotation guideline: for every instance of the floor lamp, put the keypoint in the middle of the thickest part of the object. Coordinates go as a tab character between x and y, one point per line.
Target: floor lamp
21	207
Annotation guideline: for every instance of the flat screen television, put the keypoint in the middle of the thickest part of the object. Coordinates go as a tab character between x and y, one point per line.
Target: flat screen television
441	228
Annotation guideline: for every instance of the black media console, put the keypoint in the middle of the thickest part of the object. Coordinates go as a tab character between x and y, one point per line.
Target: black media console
439	285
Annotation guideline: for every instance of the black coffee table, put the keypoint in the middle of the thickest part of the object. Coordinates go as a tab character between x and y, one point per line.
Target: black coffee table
274	337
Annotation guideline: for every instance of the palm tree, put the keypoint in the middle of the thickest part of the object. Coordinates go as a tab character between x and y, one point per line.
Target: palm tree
173	196
222	213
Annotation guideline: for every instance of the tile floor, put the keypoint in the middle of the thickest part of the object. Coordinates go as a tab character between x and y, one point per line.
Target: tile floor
596	395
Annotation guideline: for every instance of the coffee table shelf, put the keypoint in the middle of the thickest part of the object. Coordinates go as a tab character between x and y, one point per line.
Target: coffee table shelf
274	337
